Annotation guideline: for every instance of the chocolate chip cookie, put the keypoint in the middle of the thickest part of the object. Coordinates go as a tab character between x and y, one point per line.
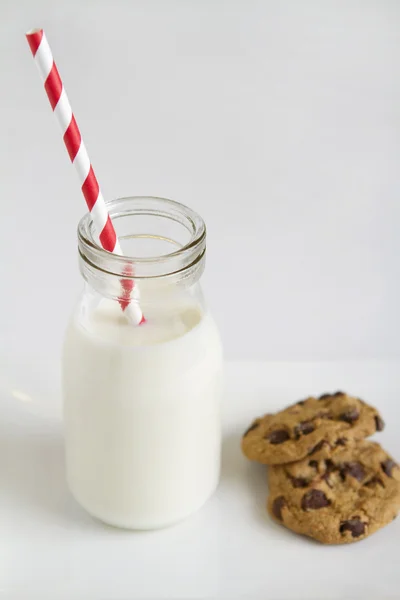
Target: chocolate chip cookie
311	427
340	499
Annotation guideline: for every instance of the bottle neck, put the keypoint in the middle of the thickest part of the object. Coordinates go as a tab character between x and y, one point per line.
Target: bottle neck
163	242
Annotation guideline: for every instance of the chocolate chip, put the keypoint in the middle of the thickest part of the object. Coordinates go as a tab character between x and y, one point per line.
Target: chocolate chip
350	415
301	402
314	499
341	442
379	423
313	464
303	428
354	469
299	482
319	446
335	395
251	428
355	526
329	464
387	467
277	506
278	437
374	482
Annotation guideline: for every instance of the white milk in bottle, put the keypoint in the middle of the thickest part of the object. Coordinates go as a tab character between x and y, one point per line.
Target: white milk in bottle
142	404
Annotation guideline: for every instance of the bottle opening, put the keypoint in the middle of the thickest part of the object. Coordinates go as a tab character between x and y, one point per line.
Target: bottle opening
158	237
151	234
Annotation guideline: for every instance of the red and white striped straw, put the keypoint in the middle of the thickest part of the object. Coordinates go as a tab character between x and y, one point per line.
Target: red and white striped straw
79	157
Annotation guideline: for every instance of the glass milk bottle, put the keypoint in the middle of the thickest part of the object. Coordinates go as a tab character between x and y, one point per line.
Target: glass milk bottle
142	403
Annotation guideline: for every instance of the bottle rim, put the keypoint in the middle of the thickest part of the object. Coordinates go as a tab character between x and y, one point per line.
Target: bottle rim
139	267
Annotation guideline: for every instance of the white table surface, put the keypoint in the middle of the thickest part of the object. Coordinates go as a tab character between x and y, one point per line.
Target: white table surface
51	549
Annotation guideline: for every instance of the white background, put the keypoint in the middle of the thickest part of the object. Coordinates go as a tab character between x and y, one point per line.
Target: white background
278	121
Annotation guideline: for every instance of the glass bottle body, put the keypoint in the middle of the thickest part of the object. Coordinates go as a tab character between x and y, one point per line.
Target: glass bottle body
142	404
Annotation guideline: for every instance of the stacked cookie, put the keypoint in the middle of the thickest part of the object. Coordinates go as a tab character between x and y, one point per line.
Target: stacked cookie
325	480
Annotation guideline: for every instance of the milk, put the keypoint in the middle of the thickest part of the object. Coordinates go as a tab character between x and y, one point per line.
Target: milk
142	412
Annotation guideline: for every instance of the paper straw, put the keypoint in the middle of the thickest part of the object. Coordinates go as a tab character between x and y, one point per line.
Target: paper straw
79	157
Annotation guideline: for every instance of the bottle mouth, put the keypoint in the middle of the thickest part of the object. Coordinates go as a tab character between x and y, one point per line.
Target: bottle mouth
158	237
